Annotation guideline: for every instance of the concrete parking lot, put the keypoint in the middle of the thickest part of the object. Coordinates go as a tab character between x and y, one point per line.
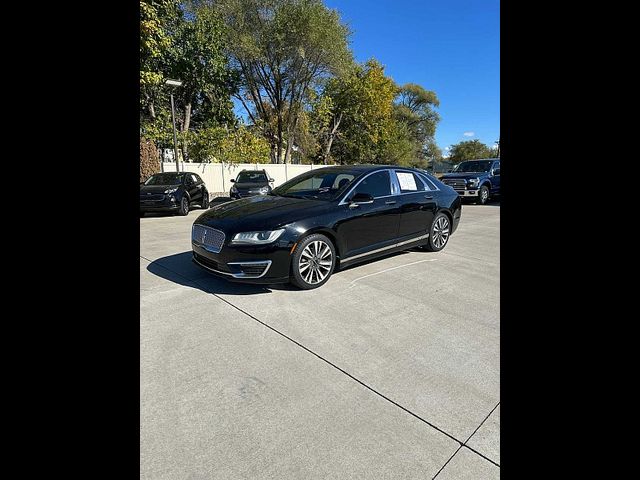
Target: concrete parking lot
390	370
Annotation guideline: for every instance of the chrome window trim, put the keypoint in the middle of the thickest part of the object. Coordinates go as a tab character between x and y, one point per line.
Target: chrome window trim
399	244
429	181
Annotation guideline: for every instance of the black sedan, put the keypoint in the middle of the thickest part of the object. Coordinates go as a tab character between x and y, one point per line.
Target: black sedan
322	220
173	192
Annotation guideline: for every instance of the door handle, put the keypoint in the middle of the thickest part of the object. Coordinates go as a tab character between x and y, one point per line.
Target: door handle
428	197
391	202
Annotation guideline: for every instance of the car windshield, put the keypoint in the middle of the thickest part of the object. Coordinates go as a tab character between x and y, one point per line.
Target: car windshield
474	166
252	177
317	185
165	179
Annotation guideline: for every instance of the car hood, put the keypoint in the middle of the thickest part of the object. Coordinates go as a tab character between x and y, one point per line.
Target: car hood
464	175
260	213
155	188
248	185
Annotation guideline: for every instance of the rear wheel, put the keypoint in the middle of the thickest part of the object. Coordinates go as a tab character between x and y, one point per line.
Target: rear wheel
205	199
184	206
439	233
313	262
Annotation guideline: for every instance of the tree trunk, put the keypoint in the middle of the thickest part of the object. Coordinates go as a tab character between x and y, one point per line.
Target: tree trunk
152	110
290	139
279	147
327	151
185	128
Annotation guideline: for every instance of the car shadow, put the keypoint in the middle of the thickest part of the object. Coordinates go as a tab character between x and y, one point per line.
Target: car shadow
180	269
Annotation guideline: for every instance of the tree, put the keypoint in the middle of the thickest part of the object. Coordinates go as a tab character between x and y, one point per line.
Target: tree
279	48
155	41
197	58
356	117
415	108
469	150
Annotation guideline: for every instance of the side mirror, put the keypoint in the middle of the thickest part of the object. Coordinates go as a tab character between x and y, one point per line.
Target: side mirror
496	171
232	180
360	199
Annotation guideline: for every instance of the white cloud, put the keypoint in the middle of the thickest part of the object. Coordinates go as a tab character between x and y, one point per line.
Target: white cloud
469	134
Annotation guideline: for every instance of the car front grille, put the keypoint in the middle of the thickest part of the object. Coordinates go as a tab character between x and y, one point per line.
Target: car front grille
456	183
155	197
210	238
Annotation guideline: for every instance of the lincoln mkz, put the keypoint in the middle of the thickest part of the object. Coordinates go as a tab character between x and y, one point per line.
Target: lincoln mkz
325	219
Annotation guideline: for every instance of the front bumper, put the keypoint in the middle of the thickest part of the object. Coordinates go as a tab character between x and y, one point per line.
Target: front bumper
165	204
468	193
264	264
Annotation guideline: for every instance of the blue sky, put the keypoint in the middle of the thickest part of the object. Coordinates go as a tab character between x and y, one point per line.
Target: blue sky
449	46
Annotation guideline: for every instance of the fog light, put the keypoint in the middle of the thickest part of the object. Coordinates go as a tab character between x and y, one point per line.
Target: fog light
472	192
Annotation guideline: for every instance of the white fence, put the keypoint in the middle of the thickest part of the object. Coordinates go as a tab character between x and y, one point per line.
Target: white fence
217	175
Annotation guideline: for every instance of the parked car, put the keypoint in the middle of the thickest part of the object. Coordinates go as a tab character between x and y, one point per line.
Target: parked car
478	179
249	183
173	192
325	219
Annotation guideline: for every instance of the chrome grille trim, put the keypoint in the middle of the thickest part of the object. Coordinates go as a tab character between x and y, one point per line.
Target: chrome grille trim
266	263
208	238
456	183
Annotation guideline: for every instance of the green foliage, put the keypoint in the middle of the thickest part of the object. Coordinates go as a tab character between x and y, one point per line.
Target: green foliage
217	144
279	48
469	150
362	102
197	58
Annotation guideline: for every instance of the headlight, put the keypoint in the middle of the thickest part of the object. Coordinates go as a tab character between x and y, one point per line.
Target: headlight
473	181
234	189
257	238
264	190
171	190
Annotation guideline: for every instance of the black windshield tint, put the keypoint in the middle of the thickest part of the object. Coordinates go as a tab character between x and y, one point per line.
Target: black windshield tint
475	166
252	177
317	185
165	179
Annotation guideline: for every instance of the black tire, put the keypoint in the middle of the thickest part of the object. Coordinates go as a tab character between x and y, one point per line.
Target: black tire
439	233
310	251
184	207
205	199
483	195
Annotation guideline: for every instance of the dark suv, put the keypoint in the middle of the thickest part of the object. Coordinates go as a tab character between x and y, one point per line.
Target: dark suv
250	183
478	179
173	192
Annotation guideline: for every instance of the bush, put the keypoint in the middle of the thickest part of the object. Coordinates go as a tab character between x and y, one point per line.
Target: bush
216	144
149	161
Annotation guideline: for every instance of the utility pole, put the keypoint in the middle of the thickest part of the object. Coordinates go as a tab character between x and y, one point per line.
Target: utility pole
174	83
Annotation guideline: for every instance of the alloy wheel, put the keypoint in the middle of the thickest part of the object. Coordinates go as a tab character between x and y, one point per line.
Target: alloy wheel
441	232
315	262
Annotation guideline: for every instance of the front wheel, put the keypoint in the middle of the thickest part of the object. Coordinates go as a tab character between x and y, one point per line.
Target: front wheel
439	233
313	262
483	195
184	207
